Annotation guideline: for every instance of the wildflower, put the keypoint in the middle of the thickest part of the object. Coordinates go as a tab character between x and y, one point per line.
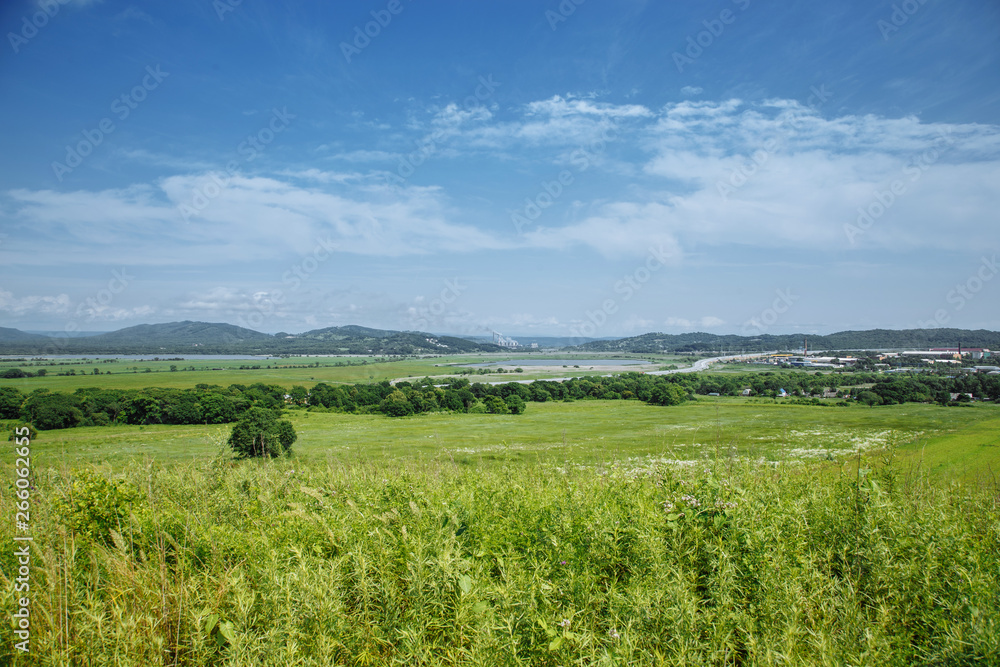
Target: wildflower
613	633
564	623
562	562
691	500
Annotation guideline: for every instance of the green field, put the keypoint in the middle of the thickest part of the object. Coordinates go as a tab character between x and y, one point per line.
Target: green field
950	442
724	531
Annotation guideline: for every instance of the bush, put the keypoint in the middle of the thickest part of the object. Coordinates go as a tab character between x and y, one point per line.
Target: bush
260	433
95	506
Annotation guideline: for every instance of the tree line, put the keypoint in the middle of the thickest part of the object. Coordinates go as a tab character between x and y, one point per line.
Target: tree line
213	404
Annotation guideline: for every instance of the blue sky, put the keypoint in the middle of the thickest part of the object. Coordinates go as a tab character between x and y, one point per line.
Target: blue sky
579	168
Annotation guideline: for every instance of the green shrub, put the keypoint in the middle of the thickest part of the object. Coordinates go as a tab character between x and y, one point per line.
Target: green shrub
94	506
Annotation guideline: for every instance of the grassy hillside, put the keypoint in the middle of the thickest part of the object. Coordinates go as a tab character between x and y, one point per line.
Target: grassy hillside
724	531
281	563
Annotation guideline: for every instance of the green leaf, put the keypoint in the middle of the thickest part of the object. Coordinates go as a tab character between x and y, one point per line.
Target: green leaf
210	622
555	644
226	630
465	583
479	607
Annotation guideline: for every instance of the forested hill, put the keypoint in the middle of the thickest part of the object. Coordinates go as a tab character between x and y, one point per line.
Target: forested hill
874	339
216	338
16	336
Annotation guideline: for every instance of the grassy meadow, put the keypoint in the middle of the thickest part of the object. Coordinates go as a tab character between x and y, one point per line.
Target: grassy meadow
953	443
723	532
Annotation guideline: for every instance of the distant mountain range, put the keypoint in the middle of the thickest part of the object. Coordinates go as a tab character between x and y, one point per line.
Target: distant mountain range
216	338
873	339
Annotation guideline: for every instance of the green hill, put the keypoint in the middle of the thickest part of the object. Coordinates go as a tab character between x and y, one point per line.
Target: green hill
876	339
219	338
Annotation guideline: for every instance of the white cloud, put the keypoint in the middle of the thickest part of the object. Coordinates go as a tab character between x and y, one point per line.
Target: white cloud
93	311
33	305
560	107
365	156
251	218
691	90
616	230
771	174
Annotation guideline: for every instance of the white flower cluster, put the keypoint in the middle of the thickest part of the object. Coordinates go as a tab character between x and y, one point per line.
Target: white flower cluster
691	500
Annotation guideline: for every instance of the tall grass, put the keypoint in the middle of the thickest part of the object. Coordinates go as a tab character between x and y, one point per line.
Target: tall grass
267	563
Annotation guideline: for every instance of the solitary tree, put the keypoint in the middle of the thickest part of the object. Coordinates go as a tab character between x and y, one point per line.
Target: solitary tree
668	394
259	433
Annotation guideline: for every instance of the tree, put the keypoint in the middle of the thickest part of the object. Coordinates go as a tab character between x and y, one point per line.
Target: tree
259	433
869	398
10	403
51	411
515	404
496	406
668	394
299	395
217	409
396	405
